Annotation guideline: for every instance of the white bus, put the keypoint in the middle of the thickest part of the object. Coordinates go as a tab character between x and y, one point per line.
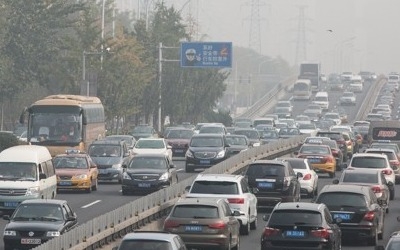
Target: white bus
302	90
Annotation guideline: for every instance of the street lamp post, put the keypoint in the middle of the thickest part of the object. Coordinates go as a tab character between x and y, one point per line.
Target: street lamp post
84	53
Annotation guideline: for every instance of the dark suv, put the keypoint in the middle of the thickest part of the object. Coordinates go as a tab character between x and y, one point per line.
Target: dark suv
340	140
357	207
273	181
205	150
109	156
301	225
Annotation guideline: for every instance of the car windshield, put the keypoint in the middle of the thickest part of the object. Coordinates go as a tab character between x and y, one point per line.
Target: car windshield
332	116
214	187
368	162
307	126
236	140
127	139
38	212
18	171
179	134
251	134
195	211
360	177
265	170
104	151
294	217
142	130
342	199
151	144
307	149
145	244
269	134
147	162
70	162
211	130
206	142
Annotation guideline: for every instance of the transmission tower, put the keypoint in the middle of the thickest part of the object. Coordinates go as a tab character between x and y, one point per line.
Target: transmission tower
301	41
255	26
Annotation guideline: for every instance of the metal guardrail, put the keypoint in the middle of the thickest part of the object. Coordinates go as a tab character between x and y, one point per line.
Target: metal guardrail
115	224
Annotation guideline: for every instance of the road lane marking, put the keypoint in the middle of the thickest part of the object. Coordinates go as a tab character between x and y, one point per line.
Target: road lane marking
91	204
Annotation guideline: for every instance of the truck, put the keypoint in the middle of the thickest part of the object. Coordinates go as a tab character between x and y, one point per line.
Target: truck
312	72
384	131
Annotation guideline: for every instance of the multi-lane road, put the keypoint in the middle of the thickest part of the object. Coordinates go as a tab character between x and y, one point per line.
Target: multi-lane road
109	196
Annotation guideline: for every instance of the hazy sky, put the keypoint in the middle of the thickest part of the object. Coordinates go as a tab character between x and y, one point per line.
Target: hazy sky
365	34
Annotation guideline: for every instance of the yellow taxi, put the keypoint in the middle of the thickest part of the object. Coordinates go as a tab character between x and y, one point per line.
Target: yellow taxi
320	158
75	170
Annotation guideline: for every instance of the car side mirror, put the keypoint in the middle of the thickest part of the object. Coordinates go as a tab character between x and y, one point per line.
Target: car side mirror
254	190
266	217
124	166
237	213
390	184
42	176
6	217
335	181
93	166
71	218
169	147
171	165
187	188
296	152
299	175
126	154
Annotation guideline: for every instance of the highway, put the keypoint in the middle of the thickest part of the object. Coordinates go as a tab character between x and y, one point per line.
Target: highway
109	196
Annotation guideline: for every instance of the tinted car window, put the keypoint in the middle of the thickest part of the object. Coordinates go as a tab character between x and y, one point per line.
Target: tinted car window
262	170
195	211
148	162
290	217
333	136
214	187
298	165
313	150
342	198
206	142
390	155
145	244
368	162
251	134
360	178
394	245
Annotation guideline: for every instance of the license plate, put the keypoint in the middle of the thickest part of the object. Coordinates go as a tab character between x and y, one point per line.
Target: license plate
178	150
10	204
64	183
265	184
204	161
342	216
313	160
295	234
193	228
144	185
102	171
31	241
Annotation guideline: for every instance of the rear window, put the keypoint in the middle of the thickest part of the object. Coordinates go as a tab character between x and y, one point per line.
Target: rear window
145	244
195	211
264	170
388	146
368	162
298	165
214	187
342	199
306	149
295	217
333	136
390	155
360	177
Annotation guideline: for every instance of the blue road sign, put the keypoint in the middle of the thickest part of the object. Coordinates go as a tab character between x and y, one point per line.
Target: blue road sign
206	54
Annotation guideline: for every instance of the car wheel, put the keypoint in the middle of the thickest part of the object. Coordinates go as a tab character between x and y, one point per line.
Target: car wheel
124	192
94	187
253	225
380	235
391	197
237	247
373	240
245	229
229	247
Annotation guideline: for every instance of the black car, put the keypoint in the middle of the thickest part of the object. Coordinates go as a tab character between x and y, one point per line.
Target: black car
206	150
357	206
146	173
301	225
252	134
273	181
37	221
237	144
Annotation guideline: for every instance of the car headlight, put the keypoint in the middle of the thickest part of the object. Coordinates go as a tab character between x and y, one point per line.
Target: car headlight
221	154
53	234
117	166
81	176
189	154
126	176
164	177
32	191
9	233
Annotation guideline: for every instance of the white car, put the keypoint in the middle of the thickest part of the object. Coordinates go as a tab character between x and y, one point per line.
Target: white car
334	117
375	161
235	189
341	128
152	146
302	119
308	129
348	98
356	87
309	181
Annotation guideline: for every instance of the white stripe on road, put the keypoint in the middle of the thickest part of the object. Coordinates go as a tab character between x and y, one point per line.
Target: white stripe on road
91	204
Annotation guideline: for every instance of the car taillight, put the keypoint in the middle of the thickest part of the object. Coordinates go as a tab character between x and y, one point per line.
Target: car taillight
307	177
335	153
268	231
217	225
387	171
328	159
369	216
236	200
170	224
321	233
376	189
395	163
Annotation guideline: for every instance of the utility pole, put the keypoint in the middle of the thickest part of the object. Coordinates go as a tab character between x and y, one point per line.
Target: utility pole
301	41
255	25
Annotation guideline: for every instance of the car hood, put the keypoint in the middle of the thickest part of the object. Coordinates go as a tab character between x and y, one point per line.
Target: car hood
35	225
146	171
70	171
106	160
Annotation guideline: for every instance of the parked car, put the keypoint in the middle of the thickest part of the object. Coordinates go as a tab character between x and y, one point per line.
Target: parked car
204	222
146	173
151	240
273	181
301	225
235	189
36	221
76	170
357	207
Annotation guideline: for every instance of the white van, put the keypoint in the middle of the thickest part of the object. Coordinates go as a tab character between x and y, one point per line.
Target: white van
322	99
26	172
